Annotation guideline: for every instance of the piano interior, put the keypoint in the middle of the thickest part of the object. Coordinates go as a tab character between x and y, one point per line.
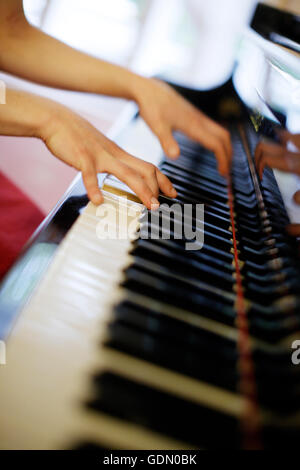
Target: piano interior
142	344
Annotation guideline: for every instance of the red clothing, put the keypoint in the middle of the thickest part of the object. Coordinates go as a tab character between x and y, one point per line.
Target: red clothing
19	217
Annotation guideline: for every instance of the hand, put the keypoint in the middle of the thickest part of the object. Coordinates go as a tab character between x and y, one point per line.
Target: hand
277	156
280	157
76	142
164	110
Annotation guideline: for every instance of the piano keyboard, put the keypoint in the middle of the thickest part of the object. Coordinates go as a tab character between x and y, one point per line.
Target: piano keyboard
144	345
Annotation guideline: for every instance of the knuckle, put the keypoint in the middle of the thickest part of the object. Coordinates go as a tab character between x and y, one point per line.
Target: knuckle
143	187
81	150
150	169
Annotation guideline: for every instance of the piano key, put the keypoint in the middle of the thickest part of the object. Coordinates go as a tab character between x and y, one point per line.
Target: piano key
149	347
155	409
158	249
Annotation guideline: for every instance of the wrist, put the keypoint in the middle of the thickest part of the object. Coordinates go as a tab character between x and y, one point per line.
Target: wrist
137	85
52	117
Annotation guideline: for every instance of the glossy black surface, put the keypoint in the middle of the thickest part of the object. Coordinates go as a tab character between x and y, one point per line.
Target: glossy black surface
277	25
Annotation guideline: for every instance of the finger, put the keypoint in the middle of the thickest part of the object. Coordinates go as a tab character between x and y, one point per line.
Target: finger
167	140
286	137
263	148
228	145
145	169
224	162
277	156
297	197
215	138
223	135
134	181
213	143
205	131
165	184
269	160
288	162
89	176
148	173
294	230
157	181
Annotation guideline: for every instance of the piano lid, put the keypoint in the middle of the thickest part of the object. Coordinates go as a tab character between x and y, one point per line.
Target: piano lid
267	75
267	79
278	26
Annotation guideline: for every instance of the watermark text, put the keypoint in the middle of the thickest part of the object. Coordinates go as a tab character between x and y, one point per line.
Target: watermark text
121	221
296	353
2	353
2	92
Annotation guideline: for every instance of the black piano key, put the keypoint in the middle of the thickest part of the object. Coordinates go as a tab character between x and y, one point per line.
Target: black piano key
163	412
276	376
214	304
192	272
197	184
178	246
152	250
188	169
213	240
174	330
189	281
184	199
205	197
189	179
207	221
152	348
163	289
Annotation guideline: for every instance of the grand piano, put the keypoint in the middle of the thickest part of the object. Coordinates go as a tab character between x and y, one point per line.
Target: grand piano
141	344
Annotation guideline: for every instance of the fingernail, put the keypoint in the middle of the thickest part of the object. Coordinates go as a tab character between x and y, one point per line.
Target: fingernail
154	204
173	152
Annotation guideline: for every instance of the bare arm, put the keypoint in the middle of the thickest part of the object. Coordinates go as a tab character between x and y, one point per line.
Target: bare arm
27	52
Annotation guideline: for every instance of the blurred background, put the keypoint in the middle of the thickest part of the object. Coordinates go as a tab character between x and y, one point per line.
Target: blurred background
189	41
168	37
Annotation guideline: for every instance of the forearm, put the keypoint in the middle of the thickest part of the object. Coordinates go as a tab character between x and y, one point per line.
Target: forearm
29	53
25	114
